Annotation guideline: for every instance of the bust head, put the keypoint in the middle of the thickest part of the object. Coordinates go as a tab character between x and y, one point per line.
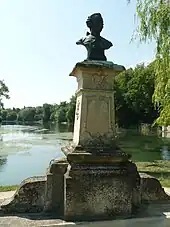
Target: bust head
95	23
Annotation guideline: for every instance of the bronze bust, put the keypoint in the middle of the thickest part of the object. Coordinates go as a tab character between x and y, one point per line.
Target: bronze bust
94	43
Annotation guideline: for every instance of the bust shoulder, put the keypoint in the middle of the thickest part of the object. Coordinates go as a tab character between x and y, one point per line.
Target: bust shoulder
88	39
106	44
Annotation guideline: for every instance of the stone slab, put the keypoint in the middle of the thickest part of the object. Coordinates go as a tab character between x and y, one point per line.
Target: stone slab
99	158
98	64
152	190
29	197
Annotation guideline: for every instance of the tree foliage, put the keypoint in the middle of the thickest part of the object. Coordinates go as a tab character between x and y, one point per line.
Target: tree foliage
26	114
11	116
4	115
47	110
63	112
4	92
154	23
133	97
70	115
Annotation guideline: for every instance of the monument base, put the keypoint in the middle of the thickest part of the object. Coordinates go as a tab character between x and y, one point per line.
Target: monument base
86	192
94	192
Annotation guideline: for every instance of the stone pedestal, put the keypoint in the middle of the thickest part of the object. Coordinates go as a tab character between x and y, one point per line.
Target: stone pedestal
94	126
100	182
99	192
95	114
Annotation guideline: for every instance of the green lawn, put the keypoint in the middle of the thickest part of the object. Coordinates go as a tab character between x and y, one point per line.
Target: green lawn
8	188
159	169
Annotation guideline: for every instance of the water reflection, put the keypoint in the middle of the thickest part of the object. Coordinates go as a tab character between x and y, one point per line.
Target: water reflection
54	127
3	161
165	153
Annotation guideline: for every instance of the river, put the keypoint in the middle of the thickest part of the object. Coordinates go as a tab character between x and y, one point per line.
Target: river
27	150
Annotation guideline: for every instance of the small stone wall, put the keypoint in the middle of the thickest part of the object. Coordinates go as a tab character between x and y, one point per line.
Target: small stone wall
152	190
28	198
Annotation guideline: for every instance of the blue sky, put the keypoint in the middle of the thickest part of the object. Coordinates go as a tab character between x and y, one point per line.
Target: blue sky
38	50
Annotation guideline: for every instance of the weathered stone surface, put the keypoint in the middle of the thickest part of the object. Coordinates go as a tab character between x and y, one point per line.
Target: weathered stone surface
58	166
95	153
99	65
151	190
95	115
101	191
98	168
54	190
91	158
28	198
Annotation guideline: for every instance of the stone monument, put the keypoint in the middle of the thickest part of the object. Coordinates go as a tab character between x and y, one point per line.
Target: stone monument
95	180
100	181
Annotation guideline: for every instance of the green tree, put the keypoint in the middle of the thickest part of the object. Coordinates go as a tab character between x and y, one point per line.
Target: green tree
61	112
16	109
70	114
26	114
4	92
4	114
11	116
133	98
38	113
54	108
154	23
46	112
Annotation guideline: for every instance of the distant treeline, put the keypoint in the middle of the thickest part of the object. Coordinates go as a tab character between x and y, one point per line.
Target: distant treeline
134	89
63	112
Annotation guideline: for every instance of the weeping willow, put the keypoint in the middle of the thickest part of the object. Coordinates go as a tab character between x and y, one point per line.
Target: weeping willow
154	24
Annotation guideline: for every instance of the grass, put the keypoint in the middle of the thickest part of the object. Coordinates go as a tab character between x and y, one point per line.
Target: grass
8	188
141	148
164	182
159	169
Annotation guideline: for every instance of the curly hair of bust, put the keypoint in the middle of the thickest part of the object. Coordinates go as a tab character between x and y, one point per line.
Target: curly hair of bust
93	17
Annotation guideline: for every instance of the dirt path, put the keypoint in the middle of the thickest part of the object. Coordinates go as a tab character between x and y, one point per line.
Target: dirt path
6	195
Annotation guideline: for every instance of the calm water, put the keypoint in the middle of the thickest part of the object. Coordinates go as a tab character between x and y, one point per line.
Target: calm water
27	150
